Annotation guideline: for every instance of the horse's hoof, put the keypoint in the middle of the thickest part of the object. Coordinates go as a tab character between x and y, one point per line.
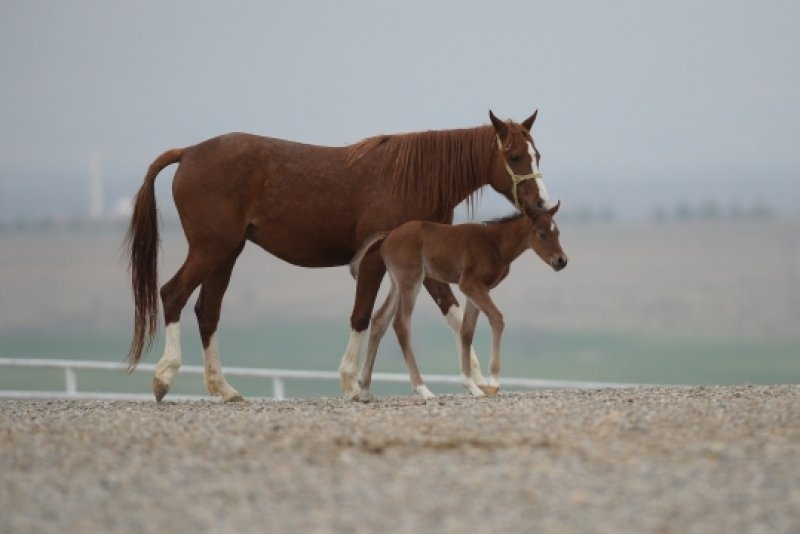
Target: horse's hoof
235	398
352	393
424	392
489	391
366	396
160	389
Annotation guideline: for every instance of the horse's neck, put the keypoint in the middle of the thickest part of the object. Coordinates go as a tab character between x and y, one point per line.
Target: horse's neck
511	238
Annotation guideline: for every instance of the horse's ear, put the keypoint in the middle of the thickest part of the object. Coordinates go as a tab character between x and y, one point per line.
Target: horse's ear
528	123
552	211
500	127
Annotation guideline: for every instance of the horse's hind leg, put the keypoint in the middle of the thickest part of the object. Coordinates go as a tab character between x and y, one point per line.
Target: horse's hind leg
207	310
173	298
408	287
380	322
174	294
443	297
369	282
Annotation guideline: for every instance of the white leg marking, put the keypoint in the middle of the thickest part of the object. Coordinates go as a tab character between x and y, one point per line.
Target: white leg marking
473	389
348	368
423	390
167	367
215	381
454	318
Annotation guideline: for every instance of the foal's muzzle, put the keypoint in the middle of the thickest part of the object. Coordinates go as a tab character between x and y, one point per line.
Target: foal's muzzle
558	263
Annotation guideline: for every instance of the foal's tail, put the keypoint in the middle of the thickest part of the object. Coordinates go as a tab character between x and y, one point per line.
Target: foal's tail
141	243
370	242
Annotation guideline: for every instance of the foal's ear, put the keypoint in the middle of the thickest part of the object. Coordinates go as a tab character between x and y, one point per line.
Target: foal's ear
552	211
528	123
532	213
499	126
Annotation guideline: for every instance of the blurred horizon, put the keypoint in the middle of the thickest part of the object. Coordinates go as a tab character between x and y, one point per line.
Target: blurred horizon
642	108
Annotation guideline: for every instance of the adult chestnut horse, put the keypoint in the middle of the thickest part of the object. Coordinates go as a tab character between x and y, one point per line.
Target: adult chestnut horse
311	206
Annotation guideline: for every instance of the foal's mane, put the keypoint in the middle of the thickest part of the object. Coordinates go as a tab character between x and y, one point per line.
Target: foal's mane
504	219
436	168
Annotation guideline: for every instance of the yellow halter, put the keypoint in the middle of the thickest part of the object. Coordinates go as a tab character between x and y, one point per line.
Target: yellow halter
517	179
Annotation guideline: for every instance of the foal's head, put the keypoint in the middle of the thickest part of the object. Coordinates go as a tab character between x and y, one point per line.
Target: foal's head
543	238
515	169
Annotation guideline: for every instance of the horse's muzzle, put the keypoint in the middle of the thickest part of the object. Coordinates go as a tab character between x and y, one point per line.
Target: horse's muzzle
558	263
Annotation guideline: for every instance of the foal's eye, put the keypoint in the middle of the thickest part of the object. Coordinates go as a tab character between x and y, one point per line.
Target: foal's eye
542	235
514	157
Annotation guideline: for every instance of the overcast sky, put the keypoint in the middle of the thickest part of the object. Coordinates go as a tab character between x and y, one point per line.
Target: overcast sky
640	102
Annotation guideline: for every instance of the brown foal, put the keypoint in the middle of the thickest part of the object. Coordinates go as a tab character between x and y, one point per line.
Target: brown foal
475	256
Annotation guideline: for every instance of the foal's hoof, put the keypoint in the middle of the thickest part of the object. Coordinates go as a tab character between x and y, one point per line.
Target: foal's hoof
160	389
489	391
353	396
366	396
235	398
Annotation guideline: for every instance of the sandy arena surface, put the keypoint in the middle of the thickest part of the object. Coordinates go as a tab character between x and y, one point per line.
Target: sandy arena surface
709	459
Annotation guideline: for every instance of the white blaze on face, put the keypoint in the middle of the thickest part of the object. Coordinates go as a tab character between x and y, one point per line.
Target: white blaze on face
543	194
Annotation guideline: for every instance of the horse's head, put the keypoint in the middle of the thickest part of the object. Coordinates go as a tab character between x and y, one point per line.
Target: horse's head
543	238
515	169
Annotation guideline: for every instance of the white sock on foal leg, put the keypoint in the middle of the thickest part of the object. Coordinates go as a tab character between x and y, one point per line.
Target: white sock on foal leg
167	367
348	368
474	390
454	318
423	390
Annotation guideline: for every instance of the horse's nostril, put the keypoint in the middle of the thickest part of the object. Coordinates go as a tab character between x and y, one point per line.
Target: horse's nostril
540	203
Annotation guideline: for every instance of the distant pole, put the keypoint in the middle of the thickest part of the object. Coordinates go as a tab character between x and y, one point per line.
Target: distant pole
96	189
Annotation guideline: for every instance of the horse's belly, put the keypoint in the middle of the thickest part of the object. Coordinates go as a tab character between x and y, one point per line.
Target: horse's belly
302	249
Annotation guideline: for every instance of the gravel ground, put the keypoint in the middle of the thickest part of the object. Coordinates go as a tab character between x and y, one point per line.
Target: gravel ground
709	459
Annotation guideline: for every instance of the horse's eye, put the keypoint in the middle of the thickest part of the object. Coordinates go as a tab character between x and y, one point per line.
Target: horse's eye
514	157
542	235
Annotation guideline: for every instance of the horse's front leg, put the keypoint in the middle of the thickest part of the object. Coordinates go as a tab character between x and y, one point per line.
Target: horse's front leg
370	275
467	334
443	297
478	295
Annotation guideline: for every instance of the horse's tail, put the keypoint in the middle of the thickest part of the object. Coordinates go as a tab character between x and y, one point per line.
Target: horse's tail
370	242
141	243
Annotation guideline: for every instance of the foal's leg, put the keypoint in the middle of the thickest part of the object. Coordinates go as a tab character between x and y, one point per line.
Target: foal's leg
443	297
207	310
380	322
479	295
408	288
467	334
370	275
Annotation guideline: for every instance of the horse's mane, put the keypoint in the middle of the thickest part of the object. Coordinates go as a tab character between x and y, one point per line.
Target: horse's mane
504	219
437	168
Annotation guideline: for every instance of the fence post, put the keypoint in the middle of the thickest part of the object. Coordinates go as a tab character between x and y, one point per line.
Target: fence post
277	388
71	381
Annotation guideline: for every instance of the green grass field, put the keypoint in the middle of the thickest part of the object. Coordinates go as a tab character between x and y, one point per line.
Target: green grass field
585	355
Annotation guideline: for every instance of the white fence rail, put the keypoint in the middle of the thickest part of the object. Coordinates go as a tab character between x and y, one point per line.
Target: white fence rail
277	376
